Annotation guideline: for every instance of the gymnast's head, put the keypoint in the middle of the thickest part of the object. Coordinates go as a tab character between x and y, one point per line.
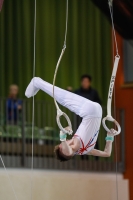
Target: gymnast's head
61	155
67	149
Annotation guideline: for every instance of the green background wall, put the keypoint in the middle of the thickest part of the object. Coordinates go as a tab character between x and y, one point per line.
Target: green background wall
88	44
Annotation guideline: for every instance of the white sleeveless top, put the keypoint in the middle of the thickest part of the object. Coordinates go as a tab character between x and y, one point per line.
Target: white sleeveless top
87	133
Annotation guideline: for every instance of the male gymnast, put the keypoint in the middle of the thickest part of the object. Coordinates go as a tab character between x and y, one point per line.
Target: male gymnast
84	140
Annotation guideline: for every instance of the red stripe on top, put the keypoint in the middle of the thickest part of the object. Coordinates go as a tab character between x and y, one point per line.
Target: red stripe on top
83	148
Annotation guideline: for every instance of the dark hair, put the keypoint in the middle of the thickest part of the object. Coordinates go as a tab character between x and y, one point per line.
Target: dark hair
86	76
60	156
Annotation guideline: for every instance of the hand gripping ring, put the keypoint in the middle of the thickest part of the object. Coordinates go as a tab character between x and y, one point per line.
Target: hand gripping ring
59	114
111	119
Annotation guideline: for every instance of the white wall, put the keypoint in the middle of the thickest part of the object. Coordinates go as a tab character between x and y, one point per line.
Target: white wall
56	185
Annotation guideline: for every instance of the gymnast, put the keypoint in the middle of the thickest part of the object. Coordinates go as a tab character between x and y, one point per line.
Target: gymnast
84	140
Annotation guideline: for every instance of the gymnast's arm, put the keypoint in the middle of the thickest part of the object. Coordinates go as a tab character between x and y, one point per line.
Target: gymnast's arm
108	147
69	147
106	153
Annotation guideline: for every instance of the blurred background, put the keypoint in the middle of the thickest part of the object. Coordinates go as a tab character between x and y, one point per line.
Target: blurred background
85	67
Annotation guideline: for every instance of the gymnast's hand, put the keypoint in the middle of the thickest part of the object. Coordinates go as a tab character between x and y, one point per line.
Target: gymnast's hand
113	132
68	128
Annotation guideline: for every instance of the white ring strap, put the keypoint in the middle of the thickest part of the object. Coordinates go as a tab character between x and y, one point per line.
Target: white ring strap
111	87
59	112
110	93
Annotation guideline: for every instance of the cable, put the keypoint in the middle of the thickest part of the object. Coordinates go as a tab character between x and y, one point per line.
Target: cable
114	37
33	103
66	22
110	8
63	50
112	82
32	159
59	112
6	172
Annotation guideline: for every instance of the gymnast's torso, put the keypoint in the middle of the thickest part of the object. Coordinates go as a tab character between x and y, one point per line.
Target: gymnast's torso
87	134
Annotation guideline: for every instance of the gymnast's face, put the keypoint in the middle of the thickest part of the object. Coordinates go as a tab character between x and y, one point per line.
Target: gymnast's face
69	147
85	83
64	148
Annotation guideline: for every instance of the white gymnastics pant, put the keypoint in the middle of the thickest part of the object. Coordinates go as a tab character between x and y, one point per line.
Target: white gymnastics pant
90	112
75	103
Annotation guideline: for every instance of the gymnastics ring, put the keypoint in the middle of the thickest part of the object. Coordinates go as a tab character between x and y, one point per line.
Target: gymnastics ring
59	114
110	93
111	119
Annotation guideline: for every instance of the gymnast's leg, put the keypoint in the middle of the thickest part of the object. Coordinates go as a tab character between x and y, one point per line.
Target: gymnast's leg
69	100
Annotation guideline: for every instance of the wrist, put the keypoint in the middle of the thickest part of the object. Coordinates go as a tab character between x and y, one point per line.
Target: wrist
109	138
62	136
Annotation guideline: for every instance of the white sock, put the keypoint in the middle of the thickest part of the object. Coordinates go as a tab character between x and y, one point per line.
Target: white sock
31	90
